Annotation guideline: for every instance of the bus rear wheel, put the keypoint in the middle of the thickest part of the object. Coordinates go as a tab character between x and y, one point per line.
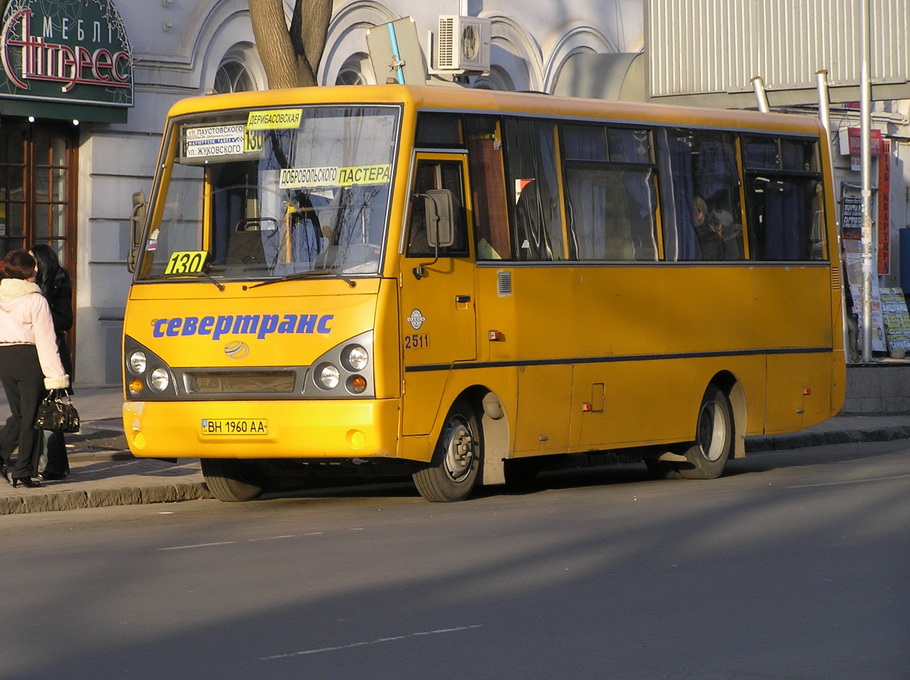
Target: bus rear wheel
714	432
454	472
232	480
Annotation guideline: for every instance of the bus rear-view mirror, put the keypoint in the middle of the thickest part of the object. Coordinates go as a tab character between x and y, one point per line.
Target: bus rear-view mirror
440	219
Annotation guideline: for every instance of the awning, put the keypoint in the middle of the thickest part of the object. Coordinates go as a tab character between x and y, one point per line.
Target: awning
63	111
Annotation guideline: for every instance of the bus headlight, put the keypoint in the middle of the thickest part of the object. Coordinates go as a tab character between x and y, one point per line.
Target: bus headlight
327	376
137	362
344	371
159	379
355	357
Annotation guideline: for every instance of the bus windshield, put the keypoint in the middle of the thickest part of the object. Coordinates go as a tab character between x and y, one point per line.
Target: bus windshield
273	193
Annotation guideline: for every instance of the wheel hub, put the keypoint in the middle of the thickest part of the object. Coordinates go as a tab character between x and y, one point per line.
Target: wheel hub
459	450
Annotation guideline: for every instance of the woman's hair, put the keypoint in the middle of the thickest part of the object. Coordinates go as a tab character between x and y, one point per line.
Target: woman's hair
48	265
18	264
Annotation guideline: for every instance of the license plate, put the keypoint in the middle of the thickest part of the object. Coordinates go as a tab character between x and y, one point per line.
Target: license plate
234	426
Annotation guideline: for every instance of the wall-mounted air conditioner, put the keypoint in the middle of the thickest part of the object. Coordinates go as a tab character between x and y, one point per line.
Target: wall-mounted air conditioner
463	44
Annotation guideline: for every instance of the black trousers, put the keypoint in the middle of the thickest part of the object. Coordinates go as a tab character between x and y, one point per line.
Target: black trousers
23	382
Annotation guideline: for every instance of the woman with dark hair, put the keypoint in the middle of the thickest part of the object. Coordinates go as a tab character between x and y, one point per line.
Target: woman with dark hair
54	282
29	364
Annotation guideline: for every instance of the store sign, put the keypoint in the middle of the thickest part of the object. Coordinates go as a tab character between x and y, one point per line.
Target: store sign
73	51
851	141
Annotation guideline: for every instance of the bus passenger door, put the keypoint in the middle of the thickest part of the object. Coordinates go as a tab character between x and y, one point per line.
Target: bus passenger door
437	292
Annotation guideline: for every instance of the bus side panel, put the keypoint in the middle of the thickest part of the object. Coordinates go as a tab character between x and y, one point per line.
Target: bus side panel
655	402
542	422
801	390
638	345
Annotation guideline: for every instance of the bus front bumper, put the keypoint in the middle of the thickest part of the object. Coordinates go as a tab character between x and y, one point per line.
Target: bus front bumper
331	429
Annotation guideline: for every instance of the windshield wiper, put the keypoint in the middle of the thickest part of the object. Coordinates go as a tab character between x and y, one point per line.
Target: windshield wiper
197	275
305	275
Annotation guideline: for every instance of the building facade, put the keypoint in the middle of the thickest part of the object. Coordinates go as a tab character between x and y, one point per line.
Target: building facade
69	166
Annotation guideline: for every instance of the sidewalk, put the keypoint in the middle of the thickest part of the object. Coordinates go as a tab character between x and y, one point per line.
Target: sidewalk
104	473
102	470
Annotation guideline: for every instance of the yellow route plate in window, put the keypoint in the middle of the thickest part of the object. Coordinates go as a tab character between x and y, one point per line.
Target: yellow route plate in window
186	262
234	426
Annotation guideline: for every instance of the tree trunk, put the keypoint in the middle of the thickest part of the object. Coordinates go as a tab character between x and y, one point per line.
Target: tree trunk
290	56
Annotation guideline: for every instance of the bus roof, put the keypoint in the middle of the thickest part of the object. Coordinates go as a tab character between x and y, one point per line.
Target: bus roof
440	98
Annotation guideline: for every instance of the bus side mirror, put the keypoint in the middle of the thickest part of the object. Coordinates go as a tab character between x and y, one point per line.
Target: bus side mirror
137	223
439	211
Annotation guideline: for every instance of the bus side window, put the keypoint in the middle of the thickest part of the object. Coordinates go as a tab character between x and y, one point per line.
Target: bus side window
436	175
534	190
610	194
702	210
784	199
490	205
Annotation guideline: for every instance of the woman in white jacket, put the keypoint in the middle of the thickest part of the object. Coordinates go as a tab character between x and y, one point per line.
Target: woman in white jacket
29	364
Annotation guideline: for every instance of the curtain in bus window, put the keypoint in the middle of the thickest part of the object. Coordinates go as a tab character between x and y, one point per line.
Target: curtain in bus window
634	146
786	209
784	215
784	204
762	154
536	215
491	221
583	142
611	212
678	187
792	155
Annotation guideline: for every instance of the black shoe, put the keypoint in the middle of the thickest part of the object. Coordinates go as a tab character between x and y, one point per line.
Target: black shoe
27	482
52	476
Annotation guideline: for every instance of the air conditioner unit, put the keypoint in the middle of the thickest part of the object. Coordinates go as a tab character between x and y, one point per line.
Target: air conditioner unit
463	44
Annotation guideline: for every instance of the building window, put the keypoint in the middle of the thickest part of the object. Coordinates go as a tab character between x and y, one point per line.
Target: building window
349	76
355	70
38	187
233	76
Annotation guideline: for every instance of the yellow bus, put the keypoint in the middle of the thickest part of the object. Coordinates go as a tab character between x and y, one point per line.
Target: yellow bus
461	285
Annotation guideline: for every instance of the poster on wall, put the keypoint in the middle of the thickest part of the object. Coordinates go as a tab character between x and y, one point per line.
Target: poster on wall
897	320
66	51
851	219
854	267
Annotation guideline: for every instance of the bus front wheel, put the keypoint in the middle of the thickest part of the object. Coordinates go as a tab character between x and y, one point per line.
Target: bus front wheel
714	432
231	480
454	472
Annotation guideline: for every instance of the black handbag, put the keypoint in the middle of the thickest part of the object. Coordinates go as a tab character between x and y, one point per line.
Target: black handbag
55	413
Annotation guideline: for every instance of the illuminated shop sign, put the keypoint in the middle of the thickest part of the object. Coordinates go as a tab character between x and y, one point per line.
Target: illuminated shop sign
74	51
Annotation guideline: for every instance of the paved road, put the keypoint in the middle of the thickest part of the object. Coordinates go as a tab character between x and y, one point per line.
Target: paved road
792	567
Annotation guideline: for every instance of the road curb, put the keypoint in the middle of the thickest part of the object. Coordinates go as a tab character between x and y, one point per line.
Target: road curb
800	440
102	498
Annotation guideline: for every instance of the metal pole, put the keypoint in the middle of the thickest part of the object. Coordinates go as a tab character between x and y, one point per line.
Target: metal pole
761	94
824	109
866	160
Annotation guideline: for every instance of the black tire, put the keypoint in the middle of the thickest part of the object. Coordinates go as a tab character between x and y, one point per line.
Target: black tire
232	480
714	435
454	472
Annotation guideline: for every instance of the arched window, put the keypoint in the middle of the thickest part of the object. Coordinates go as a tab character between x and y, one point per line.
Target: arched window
354	70
233	76
349	76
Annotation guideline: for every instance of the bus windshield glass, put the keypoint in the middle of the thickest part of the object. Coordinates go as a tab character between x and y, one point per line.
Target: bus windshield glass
274	193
